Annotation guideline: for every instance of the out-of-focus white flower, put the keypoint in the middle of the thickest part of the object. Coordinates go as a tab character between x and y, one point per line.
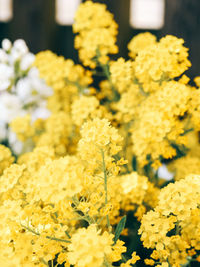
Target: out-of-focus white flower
17	146
33	73
20	46
39	84
4	84
10	107
163	173
41	88
14	56
6	45
22	91
32	90
3	56
40	113
25	93
27	61
6	74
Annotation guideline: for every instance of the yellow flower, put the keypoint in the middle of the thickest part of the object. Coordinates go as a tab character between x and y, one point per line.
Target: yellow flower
197	81
121	74
89	247
182	166
11	177
133	260
57	179
83	108
101	134
149	262
140	42
22	127
172	228
98	136
6	158
96	31
158	125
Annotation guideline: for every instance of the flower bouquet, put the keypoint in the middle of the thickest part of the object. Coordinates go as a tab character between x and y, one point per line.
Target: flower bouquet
99	161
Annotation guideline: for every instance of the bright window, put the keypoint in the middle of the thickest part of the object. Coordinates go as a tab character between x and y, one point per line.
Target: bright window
65	11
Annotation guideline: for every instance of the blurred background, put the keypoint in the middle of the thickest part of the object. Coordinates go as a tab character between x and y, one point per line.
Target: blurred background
46	24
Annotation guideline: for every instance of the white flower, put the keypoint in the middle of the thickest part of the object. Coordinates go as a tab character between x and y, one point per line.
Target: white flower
17	146
20	46
39	84
10	107
32	91
14	56
33	73
41	88
6	44
40	113
27	61
4	84
25	91
6	74
163	173
3	56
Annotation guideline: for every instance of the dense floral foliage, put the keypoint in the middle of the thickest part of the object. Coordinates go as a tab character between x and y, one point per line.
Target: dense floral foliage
94	176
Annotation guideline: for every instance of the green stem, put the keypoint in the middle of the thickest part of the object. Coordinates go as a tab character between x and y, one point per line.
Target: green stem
58	239
77	84
106	263
106	71
48	237
135	80
43	261
124	258
187	131
85	217
67	234
105	186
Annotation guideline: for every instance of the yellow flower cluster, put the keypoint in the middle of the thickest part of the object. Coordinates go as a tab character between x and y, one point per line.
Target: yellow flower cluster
172	228
121	74
151	102
87	107
63	76
132	192
195	109
68	81
55	132
89	248
94	24
99	138
51	194
22	127
166	59
6	158
184	165
140	42
83	108
157	125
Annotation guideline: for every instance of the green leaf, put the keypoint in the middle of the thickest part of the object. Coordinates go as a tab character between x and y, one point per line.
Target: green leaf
119	229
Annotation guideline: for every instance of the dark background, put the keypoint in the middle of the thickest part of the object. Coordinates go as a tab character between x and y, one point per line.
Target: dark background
34	21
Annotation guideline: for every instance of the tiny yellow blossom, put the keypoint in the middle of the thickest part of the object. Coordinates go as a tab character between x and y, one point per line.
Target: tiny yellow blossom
6	158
